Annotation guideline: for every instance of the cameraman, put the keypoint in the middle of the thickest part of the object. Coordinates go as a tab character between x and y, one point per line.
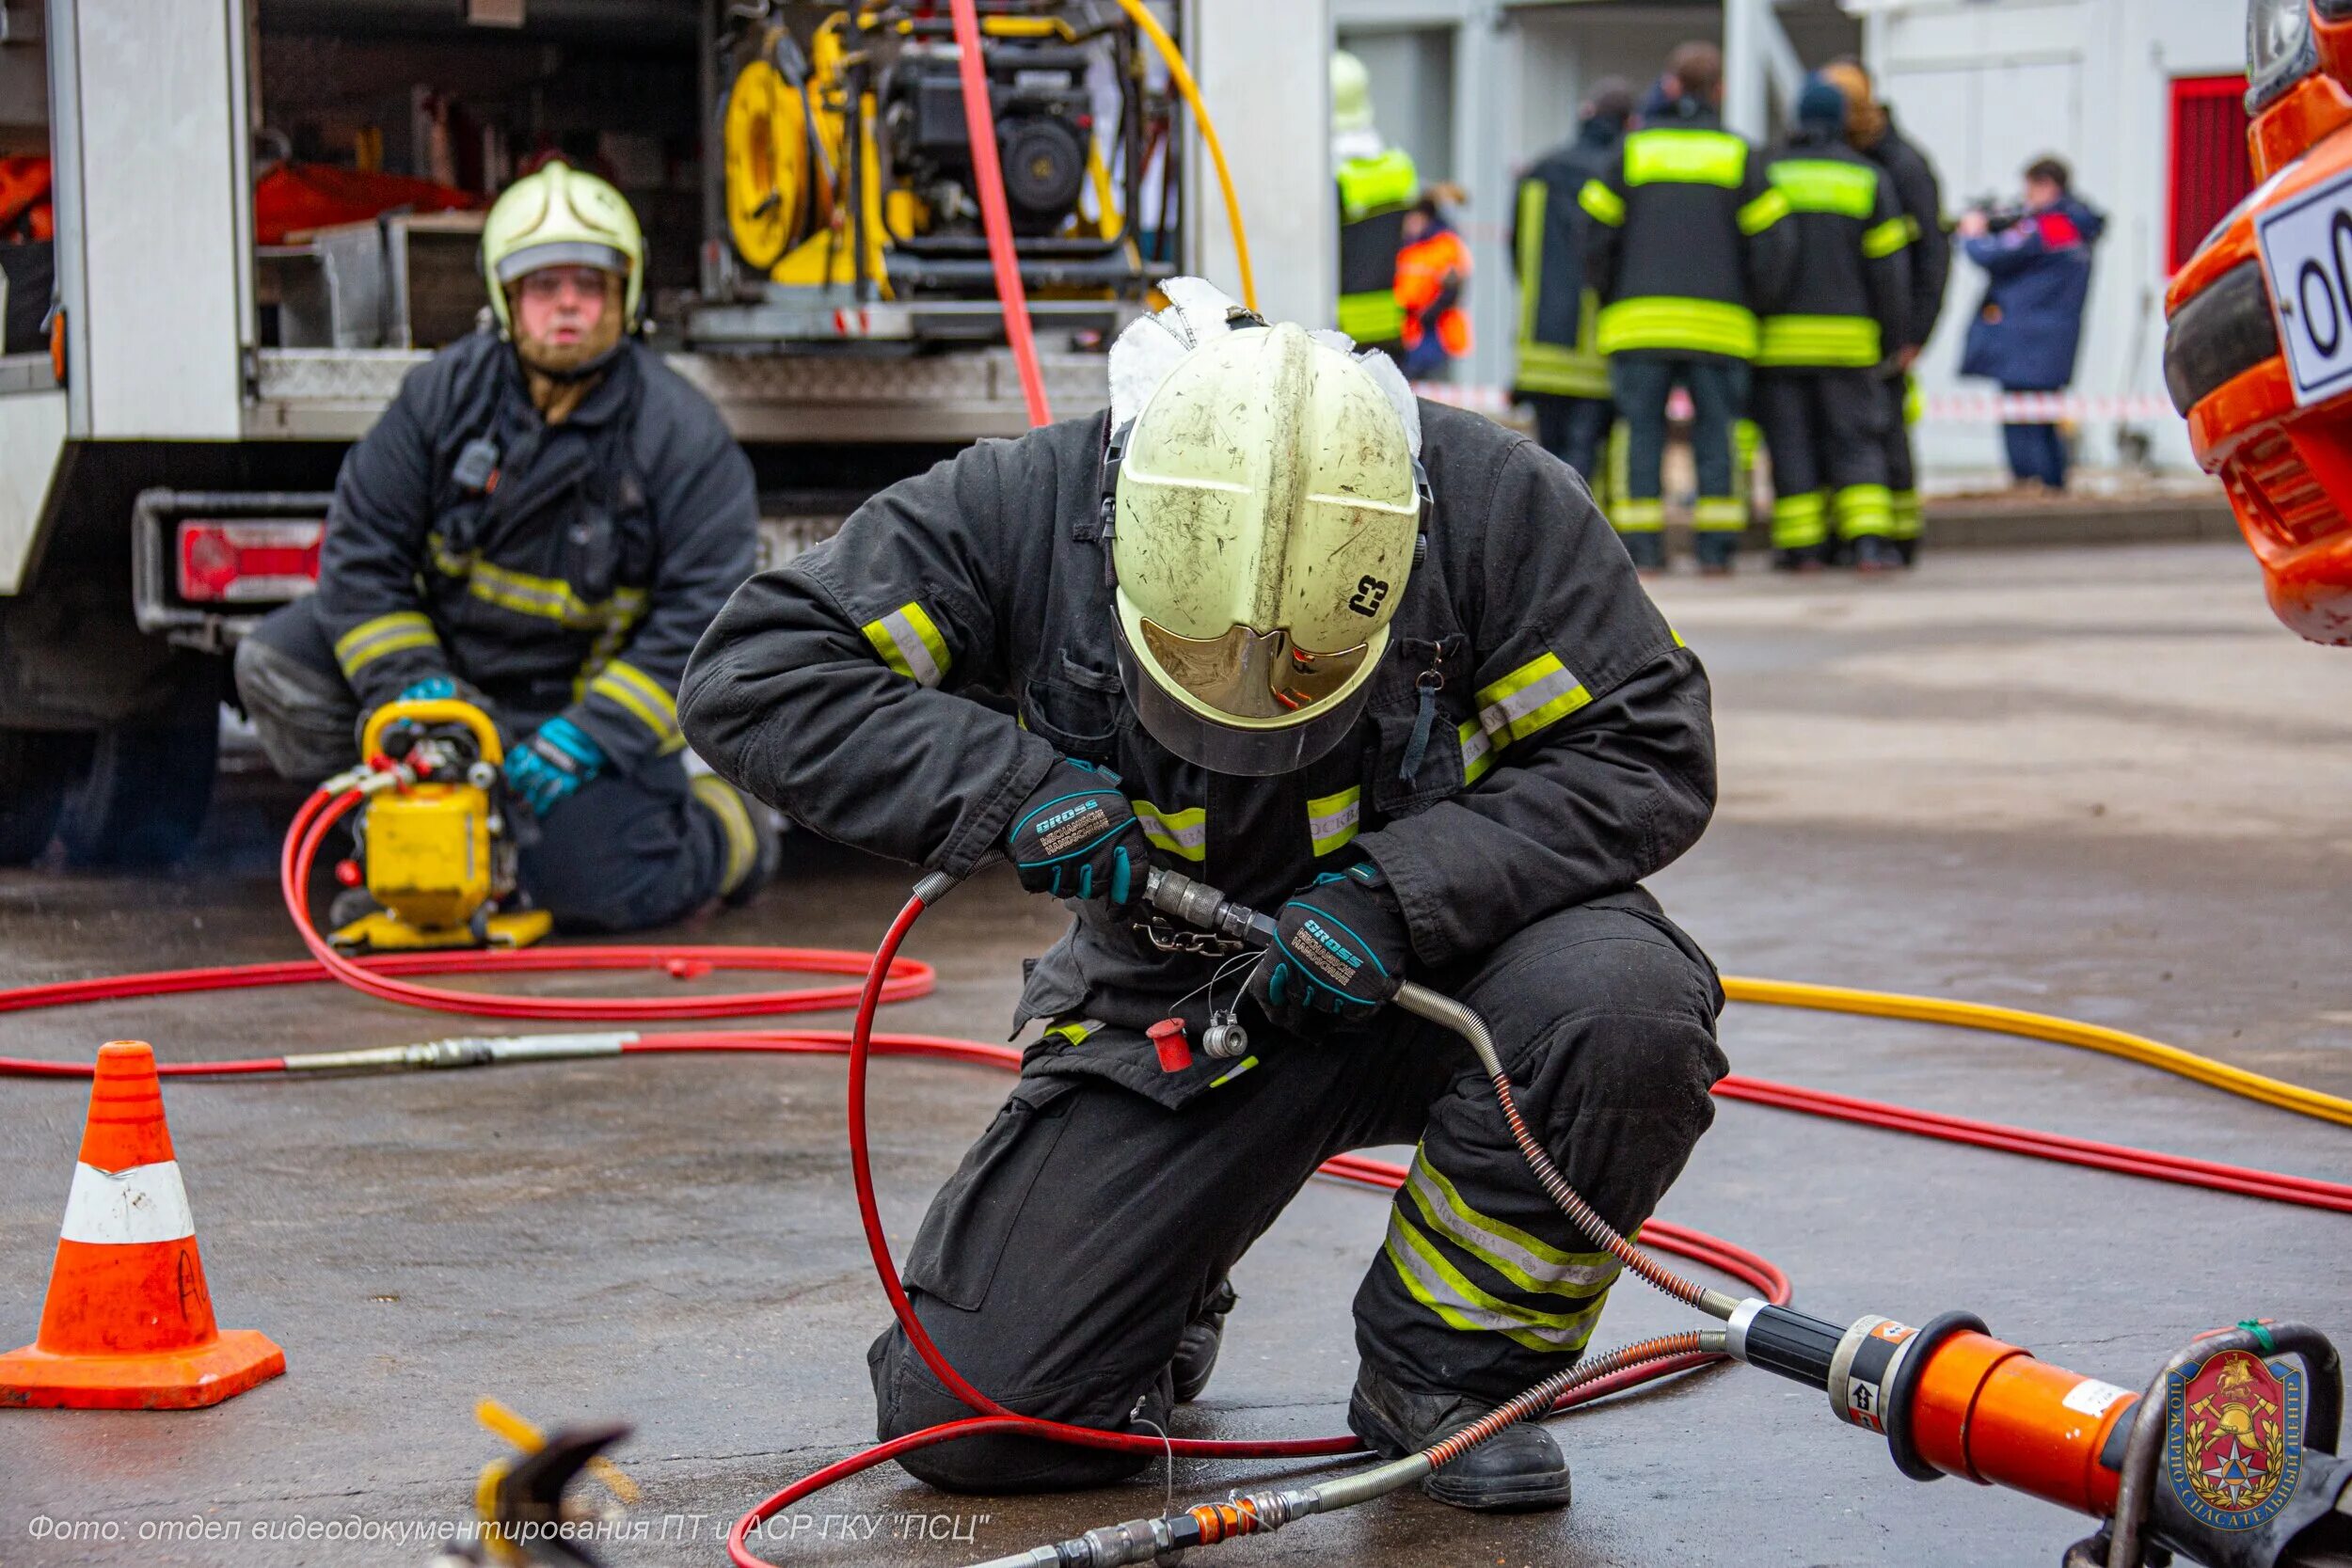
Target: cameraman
2037	268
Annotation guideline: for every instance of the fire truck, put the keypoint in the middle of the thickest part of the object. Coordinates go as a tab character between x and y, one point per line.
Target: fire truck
239	223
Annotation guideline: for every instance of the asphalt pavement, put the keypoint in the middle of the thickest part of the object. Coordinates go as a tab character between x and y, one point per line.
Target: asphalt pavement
2096	782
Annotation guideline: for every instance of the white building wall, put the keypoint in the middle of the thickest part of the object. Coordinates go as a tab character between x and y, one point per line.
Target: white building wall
1984	87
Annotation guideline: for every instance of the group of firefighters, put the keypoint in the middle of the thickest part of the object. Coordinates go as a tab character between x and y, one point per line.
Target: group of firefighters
1786	293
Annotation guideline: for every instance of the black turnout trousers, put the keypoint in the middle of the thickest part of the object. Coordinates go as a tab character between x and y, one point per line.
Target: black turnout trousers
1826	430
1058	1266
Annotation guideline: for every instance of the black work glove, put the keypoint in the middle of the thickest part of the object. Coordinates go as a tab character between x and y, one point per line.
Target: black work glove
1339	952
1076	837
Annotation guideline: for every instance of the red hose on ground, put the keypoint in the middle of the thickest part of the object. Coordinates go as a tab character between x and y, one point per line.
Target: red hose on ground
988	175
888	977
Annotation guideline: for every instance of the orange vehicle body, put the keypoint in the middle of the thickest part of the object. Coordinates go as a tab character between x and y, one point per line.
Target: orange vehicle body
2288	470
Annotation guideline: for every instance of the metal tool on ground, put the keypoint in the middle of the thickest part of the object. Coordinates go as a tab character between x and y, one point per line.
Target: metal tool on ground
434	846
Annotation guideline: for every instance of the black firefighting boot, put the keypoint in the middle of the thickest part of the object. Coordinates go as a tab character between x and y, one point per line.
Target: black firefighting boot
1648	548
1196	1352
1872	553
1518	1471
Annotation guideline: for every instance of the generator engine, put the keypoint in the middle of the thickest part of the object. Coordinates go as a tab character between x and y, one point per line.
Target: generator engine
848	181
1044	125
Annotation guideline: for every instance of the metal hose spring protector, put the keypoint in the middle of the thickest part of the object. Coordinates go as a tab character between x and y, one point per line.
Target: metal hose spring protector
1449	1014
1146	1540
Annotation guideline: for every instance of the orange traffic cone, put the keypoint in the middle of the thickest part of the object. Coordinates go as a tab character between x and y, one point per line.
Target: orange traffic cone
128	1324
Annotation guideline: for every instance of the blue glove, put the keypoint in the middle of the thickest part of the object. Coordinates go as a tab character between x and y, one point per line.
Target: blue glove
433	688
1340	952
1076	837
545	770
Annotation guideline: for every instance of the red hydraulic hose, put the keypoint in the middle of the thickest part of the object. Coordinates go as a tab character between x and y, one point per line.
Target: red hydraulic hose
988	175
888	977
320	814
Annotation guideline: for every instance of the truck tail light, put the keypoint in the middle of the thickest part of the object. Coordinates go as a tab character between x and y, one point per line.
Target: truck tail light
243	561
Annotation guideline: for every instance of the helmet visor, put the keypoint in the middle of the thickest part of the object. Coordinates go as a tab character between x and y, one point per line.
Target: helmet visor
1252	674
565	253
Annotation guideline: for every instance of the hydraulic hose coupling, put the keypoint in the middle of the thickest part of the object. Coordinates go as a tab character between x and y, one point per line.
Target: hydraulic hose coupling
1151	1540
1205	909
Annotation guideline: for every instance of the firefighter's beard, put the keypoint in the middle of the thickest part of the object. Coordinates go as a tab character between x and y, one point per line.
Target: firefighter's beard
561	375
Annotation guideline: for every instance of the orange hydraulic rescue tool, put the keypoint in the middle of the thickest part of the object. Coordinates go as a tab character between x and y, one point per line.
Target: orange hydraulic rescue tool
2225	1458
2229	1458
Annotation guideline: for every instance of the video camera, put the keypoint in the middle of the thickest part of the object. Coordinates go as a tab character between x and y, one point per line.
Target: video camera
1998	214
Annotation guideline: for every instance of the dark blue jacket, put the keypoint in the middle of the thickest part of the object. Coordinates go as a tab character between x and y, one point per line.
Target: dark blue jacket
2038	274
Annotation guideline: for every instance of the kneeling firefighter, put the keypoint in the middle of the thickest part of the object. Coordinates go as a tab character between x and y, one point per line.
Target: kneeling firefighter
1434	720
543	522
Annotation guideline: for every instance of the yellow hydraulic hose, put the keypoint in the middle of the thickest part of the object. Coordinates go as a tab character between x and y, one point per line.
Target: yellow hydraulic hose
1149	27
2045	1026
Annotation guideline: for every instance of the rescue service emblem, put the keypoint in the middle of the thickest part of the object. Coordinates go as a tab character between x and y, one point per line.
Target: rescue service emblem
2233	1439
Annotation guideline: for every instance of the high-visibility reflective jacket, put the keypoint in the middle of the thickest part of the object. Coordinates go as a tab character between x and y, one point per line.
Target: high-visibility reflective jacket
1687	243
1431	275
868	690
1557	351
566	569
1375	194
1845	308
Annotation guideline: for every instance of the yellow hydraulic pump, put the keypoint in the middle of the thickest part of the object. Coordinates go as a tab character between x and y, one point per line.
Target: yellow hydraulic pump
433	846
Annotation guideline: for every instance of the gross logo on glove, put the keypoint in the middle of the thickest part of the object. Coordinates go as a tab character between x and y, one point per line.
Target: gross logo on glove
1071	827
1324	953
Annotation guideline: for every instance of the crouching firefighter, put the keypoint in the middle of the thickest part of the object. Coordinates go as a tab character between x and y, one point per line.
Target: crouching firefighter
543	522
1434	722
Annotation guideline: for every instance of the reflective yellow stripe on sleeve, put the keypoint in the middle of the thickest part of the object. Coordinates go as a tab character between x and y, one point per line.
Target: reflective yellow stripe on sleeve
1601	203
1885	239
646	699
1530	698
371	640
1331	818
909	642
1182	833
1762	213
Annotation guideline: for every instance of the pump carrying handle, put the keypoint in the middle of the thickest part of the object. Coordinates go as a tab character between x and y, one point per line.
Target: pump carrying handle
428	711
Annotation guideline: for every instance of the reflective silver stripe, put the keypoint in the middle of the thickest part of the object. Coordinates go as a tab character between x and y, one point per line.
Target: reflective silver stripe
1424	1277
127	1208
909	642
1477	751
1448	1215
1331	818
1183	832
1508	711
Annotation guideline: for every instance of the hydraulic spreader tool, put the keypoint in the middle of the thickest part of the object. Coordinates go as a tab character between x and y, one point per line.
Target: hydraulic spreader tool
434	843
2227	1457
